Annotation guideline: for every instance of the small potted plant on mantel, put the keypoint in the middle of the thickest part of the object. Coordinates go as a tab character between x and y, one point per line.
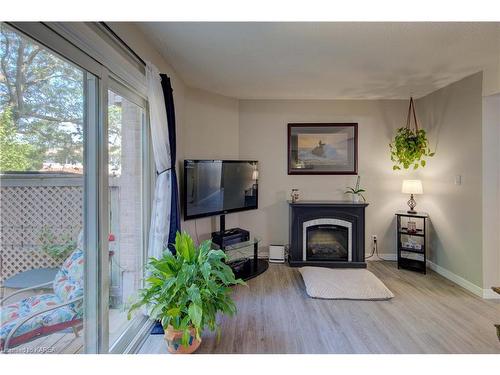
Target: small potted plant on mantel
356	192
186	291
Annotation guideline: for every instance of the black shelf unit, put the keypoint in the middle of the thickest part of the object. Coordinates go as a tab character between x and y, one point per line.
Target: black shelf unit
418	265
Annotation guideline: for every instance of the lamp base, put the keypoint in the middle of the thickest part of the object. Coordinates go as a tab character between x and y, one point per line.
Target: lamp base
412	203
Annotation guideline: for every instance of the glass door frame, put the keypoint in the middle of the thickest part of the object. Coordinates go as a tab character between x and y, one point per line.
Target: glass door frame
126	338
98	80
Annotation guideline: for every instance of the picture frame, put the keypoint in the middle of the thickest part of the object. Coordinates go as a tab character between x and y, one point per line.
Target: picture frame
322	148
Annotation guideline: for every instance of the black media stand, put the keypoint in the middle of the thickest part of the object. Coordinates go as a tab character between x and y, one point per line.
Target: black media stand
233	241
244	267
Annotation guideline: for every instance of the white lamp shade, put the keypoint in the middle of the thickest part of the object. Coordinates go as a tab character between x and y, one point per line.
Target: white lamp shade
255	175
412	187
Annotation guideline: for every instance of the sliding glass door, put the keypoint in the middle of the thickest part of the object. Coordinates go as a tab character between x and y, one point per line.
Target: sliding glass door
74	167
43	127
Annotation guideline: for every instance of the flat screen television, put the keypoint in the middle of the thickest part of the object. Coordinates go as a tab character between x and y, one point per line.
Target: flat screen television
217	187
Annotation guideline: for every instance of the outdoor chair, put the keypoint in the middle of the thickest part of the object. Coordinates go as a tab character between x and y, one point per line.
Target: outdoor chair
44	314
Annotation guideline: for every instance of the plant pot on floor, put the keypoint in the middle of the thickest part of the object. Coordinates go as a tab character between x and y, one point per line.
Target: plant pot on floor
173	337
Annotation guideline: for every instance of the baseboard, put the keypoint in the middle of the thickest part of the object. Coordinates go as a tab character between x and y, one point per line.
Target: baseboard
466	284
489	294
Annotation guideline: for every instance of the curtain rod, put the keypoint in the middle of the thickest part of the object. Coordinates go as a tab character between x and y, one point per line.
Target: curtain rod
129	49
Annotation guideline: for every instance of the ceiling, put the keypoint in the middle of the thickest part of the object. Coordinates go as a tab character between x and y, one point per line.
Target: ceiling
256	60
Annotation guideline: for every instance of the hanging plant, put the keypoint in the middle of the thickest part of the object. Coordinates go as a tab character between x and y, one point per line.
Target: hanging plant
410	146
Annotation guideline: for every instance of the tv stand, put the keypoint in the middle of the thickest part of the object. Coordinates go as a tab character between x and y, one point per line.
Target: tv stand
246	267
225	237
234	239
222	223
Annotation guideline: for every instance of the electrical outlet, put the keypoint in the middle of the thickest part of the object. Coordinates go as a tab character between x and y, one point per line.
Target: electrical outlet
374	238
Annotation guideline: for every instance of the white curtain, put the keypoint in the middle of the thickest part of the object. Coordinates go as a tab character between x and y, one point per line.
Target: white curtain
160	215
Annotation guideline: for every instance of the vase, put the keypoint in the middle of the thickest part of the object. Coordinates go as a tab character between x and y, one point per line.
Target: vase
356	198
173	337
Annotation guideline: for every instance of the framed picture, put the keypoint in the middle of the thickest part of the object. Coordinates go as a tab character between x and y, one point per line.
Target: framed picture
323	148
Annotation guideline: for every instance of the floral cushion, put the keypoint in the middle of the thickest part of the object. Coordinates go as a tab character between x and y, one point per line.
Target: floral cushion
45	323
68	283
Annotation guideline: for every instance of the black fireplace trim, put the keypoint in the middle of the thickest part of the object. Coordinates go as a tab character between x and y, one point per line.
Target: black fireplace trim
302	211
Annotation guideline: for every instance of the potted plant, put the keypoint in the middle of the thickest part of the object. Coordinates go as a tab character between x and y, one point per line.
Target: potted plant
356	191
57	250
186	291
410	146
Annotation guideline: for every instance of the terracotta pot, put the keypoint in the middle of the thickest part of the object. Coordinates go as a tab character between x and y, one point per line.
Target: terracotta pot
173	337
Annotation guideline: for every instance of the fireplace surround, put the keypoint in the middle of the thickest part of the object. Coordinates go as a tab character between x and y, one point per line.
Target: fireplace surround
327	233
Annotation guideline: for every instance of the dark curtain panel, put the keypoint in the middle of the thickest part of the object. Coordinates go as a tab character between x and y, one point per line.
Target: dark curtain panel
175	218
175	213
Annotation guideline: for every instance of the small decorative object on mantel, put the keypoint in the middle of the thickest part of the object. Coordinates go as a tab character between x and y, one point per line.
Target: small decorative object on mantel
412	187
295	195
356	191
410	146
322	149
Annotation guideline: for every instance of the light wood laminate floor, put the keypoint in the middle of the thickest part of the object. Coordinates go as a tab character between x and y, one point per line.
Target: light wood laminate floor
428	314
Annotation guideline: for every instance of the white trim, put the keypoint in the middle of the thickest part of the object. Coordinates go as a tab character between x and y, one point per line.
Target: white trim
140	338
86	36
326	221
489	294
44	35
466	284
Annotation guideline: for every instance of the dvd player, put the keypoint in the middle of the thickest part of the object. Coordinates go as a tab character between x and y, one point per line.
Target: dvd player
230	237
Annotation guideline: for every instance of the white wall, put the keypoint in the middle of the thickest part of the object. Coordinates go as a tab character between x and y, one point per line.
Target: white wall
453	118
491	198
263	136
210	131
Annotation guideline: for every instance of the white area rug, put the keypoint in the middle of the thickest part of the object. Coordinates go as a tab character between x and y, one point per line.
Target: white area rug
344	283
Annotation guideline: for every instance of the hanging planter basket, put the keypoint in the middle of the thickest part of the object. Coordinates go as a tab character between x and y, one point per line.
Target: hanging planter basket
410	146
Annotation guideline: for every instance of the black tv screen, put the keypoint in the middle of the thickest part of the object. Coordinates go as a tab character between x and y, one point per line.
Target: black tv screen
215	187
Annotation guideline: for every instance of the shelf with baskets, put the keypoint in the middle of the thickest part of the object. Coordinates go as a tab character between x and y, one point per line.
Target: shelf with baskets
412	240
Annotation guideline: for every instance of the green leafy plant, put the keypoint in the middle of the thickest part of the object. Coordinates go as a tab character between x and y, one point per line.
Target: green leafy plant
357	190
410	147
188	289
54	248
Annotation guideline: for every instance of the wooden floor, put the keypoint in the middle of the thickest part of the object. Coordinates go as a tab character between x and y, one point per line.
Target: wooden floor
65	342
428	314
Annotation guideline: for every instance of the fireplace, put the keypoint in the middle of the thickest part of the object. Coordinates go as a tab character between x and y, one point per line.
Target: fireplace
327	234
327	239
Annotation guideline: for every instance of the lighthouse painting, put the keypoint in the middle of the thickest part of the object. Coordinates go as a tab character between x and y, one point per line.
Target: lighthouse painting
322	148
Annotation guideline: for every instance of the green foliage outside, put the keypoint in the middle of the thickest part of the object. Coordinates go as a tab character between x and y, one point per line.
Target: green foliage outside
15	155
189	288
42	96
58	250
409	148
42	105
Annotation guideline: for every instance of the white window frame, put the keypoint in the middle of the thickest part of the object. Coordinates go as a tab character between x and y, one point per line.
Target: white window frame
126	337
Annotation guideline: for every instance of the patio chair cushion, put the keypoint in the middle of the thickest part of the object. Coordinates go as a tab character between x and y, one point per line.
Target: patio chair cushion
68	283
43	324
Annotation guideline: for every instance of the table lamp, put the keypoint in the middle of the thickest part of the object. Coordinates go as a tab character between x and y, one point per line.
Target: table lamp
412	187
